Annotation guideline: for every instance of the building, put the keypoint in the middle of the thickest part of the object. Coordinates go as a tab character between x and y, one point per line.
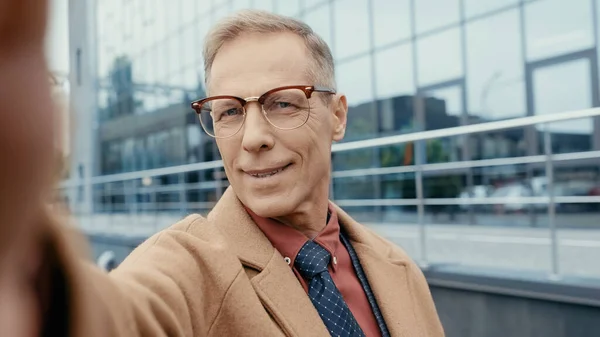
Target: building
473	61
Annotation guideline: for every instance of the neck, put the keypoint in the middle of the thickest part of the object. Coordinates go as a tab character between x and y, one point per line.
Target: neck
310	218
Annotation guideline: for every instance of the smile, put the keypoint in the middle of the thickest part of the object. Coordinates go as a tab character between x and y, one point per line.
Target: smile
267	173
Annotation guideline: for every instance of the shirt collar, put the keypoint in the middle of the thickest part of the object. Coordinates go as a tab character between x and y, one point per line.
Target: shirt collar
288	241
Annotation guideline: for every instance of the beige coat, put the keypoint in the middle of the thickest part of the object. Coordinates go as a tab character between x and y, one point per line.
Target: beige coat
220	276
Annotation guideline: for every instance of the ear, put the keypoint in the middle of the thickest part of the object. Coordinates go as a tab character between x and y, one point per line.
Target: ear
340	117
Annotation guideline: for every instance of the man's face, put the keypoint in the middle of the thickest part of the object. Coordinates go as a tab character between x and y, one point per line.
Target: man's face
249	66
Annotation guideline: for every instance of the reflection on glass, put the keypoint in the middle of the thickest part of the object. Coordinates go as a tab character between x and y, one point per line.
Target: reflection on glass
189	10
220	13
352	27
312	3
431	14
439	57
174	51
319	20
354	79
289	8
564	87
478	7
394	71
451	97
392	21
556	27
188	45
241	4
496	90
266	5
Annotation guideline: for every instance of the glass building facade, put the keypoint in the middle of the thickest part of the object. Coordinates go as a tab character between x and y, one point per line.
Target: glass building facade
405	66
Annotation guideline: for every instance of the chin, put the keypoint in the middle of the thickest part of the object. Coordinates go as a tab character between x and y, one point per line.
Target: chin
270	206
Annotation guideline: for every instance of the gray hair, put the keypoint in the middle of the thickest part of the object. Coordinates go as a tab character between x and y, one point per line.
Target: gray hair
321	71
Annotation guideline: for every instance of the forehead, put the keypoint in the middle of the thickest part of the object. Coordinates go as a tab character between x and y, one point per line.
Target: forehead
252	64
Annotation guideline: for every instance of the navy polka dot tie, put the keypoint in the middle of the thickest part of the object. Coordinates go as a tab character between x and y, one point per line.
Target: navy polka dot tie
312	262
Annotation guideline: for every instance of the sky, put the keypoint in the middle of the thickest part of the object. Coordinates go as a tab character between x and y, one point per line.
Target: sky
57	40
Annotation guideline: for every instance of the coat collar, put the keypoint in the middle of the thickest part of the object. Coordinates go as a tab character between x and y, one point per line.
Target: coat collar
283	295
276	285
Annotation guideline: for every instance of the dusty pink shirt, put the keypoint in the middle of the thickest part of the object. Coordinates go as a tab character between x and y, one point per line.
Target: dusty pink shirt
288	241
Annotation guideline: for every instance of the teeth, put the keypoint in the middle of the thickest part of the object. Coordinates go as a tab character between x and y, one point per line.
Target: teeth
264	175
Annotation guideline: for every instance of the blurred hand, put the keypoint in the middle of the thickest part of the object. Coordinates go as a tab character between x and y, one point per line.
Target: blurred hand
26	159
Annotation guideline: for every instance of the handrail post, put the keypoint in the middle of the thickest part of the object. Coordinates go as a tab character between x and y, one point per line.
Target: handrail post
555	273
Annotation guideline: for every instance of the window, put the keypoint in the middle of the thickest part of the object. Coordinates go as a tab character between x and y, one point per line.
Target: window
496	90
320	21
352	27
439	57
478	7
391	21
394	74
203	25
189	9
354	79
241	4
289	7
189	45
173	15
174	51
220	13
432	14
555	27
308	4
563	87
264	4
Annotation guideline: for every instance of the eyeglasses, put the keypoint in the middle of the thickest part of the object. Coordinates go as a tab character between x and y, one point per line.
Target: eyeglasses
285	108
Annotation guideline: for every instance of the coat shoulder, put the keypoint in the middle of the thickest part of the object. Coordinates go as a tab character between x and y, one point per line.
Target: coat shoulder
384	246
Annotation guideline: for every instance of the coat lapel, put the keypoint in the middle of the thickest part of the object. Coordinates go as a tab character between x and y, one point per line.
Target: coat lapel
276	285
387	277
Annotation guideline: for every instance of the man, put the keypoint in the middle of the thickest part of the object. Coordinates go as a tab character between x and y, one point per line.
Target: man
273	258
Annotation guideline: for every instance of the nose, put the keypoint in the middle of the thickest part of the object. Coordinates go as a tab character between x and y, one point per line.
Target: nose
257	132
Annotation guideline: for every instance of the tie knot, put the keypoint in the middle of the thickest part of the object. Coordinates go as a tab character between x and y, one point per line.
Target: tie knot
312	259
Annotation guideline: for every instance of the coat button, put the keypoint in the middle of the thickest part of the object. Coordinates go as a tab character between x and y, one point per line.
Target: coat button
287	260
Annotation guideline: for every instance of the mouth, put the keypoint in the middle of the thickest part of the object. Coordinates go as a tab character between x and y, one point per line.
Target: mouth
267	172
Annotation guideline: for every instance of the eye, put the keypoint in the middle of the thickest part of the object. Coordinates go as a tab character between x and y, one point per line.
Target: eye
283	105
230	112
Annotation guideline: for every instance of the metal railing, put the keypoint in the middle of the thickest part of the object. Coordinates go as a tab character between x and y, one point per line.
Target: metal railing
129	185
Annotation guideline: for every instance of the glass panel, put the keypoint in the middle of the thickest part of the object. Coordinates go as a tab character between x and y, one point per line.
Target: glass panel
161	28
496	90
394	71
188	45
430	68
478	7
391	21
443	108
556	27
352	27
564	87
446	102
241	4
189	9
289	8
355	80
264	4
312	3
431	14
320	21
220	13
174	51
203	25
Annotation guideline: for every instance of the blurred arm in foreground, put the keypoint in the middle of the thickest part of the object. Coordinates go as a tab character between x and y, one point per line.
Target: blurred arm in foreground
220	275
